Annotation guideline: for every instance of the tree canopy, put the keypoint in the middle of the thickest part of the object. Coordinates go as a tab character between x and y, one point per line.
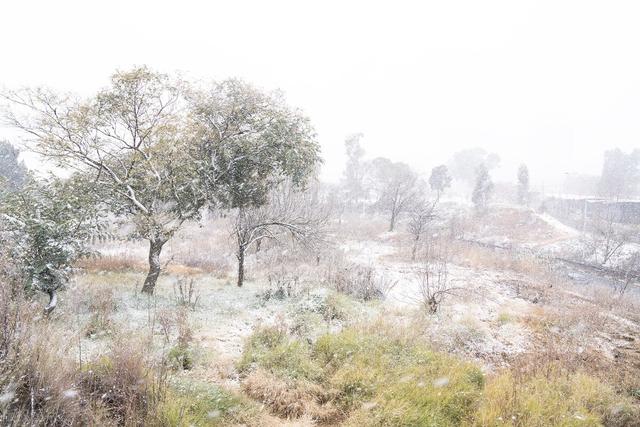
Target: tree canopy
158	148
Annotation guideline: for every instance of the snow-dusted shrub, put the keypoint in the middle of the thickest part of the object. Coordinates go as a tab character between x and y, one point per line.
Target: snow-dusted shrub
46	226
361	282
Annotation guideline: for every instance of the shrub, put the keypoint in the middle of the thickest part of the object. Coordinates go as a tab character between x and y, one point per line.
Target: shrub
181	357
336	307
330	305
274	351
360	282
36	380
307	324
37	387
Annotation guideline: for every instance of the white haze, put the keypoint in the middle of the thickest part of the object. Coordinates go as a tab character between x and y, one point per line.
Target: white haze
552	83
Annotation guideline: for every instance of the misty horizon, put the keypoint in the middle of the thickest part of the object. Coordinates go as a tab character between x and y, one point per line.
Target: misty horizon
553	85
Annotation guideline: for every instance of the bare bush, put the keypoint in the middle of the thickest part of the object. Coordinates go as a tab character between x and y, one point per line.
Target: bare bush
419	222
282	284
185	292
362	282
433	276
166	321
607	236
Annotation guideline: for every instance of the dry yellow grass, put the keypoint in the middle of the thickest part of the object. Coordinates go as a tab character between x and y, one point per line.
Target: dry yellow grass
283	398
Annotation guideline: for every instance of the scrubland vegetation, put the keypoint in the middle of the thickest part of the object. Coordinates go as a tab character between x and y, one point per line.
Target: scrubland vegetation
193	270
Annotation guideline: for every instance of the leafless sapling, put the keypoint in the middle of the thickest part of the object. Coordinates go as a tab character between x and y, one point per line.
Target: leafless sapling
419	221
288	214
433	277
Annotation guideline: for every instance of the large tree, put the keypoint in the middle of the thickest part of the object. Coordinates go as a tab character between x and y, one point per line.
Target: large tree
131	139
248	142
159	149
464	164
397	187
439	180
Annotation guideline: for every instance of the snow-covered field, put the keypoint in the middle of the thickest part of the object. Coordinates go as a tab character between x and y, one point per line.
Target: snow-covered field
487	318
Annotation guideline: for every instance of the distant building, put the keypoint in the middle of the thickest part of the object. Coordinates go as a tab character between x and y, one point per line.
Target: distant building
576	211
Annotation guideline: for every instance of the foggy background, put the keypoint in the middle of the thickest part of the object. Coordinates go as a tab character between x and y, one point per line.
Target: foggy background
551	84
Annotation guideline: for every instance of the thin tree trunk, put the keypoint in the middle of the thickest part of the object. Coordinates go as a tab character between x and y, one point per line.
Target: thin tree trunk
155	248
415	247
392	223
240	267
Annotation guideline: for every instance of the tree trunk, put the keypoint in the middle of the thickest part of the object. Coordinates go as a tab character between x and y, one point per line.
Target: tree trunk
53	301
392	222
415	247
240	267
155	248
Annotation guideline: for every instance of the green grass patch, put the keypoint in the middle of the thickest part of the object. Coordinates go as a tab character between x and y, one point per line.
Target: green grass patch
276	352
391	382
374	379
201	404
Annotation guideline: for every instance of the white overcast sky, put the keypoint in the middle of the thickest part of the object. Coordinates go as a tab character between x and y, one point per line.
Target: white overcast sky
550	83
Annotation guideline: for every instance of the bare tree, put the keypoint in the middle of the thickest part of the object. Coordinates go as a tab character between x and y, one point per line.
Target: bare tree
607	235
397	187
288	214
631	272
419	220
433	277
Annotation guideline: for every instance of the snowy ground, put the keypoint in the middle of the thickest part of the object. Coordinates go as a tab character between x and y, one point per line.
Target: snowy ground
488	318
